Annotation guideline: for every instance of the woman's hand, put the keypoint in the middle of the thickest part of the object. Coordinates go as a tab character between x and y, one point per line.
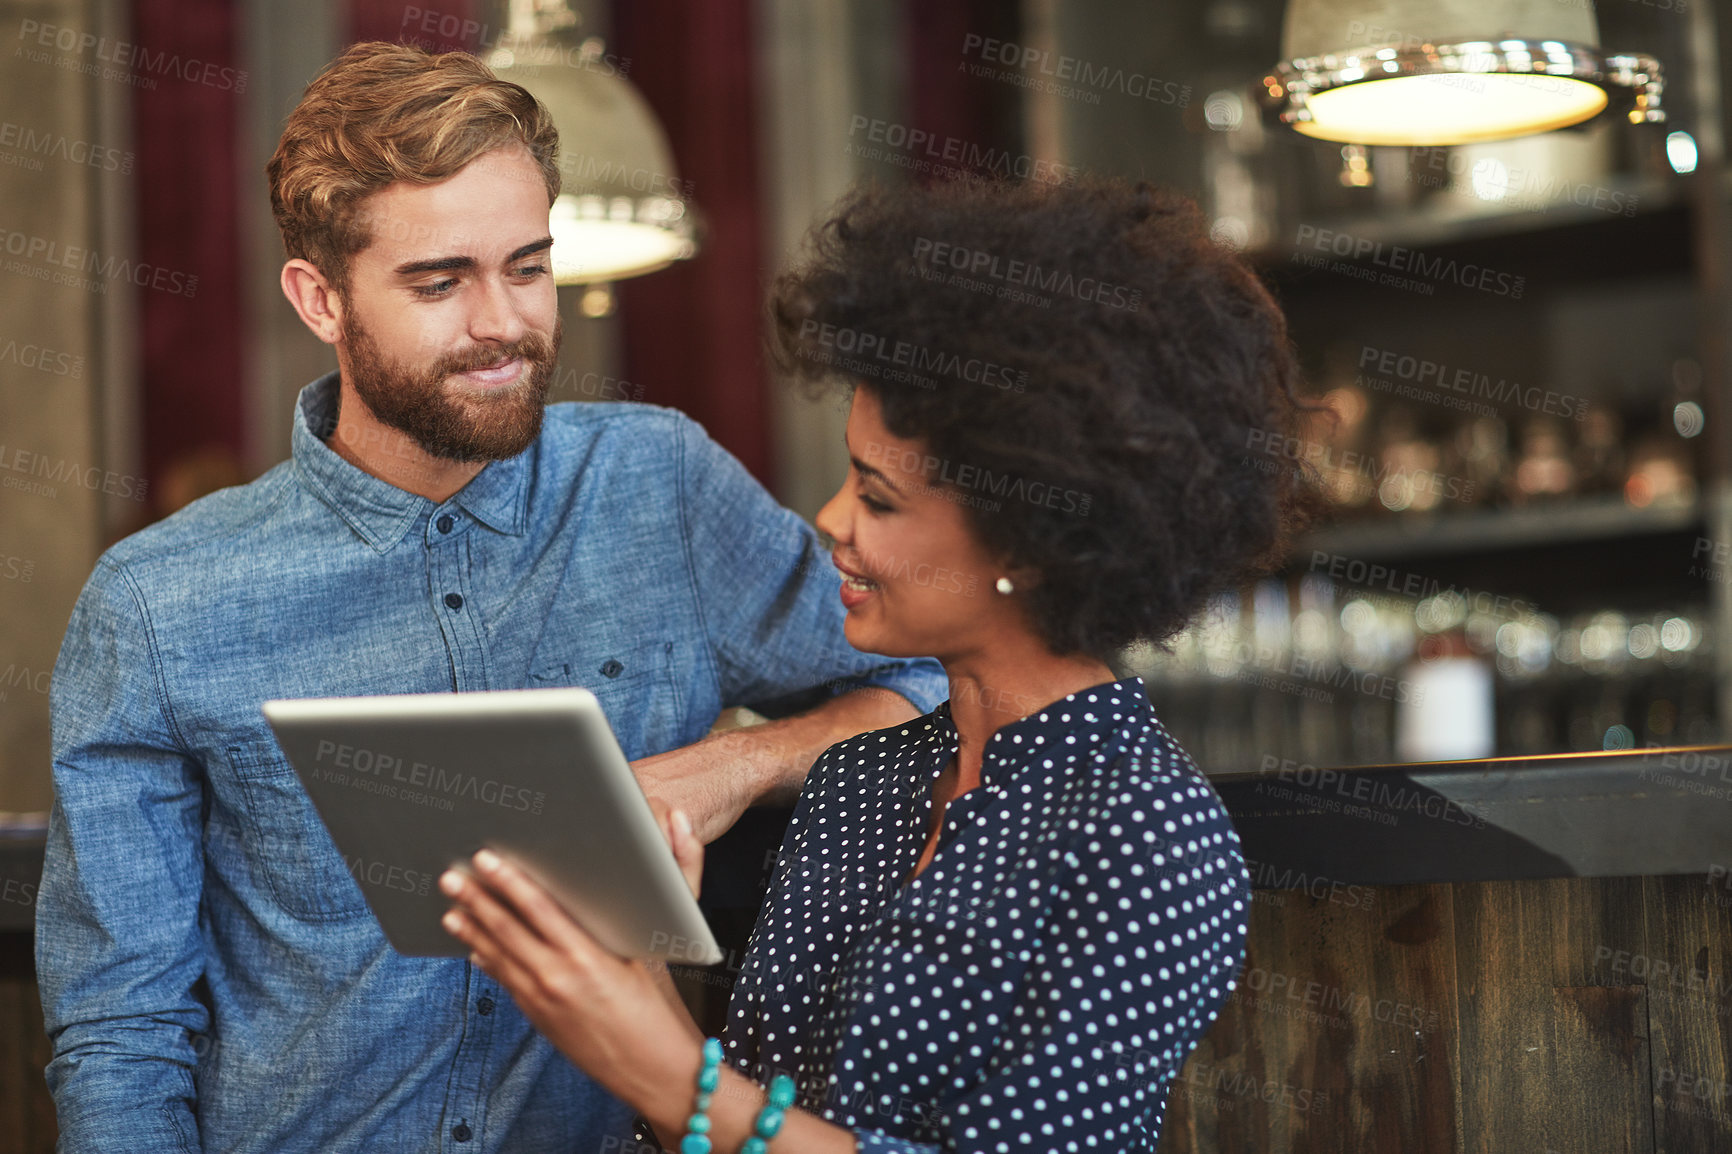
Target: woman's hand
607	1014
616	1019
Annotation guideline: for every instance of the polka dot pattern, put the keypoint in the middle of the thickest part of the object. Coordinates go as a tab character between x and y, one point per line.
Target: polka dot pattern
1043	979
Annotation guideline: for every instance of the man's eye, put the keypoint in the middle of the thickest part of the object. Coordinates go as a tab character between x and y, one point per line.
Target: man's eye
436	289
532	270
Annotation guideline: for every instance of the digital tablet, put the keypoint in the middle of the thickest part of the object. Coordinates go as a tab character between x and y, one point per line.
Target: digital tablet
411	785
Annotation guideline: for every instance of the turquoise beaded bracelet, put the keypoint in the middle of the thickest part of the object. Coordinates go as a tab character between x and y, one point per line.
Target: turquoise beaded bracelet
697	1139
771	1116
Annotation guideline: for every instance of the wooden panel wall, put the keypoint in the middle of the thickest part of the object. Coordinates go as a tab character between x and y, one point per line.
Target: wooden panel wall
1573	1016
26	1111
1580	1015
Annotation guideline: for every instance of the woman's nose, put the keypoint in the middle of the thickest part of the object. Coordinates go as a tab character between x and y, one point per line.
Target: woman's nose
830	520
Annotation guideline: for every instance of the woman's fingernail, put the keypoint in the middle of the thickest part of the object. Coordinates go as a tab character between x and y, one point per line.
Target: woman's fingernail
451	881
682	822
451	921
486	859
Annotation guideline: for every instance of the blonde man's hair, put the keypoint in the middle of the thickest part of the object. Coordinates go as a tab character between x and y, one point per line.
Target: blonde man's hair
382	113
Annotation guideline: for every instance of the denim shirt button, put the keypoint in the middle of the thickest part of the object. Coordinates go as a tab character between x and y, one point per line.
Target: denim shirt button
445	523
462	1132
611	668
454	600
484	1007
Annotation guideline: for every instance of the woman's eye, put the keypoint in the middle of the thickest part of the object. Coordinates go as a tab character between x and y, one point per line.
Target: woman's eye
874	504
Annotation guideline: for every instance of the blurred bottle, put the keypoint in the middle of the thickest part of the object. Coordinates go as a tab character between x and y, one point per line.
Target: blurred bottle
1543	470
1599	455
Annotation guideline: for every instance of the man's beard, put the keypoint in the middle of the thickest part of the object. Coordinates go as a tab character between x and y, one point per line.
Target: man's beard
468	426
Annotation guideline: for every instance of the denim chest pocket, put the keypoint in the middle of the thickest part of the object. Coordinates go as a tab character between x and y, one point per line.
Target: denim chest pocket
291	851
635	685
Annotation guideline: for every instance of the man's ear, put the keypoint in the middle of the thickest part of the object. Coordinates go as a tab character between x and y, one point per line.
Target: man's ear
318	304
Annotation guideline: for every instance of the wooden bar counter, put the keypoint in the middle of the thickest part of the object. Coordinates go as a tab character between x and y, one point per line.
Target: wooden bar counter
1556	977
1514	955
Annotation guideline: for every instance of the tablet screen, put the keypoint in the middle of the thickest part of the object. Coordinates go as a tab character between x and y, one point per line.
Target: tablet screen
411	785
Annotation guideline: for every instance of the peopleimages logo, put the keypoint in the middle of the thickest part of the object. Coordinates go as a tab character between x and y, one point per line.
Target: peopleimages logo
134	58
937	255
1399	258
350	765
35	144
918	359
924	151
63	472
1415	586
1407	482
55	256
936	472
1433	380
1046	70
42	359
1365	789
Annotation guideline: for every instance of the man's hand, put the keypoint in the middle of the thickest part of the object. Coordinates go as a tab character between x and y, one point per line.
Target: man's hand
716	779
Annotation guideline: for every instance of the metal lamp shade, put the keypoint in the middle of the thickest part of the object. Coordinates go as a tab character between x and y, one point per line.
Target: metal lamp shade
622	210
1439	72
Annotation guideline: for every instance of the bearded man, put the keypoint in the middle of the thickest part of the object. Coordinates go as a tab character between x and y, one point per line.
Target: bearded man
210	974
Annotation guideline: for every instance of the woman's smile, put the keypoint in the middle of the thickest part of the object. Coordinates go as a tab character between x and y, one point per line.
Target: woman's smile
857	588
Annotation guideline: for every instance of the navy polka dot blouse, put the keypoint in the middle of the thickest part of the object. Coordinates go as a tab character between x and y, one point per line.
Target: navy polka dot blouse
1042	980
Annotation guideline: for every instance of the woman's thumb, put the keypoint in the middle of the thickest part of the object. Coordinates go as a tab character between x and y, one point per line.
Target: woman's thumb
688	850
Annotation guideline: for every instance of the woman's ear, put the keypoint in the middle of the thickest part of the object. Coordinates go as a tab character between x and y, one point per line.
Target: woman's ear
1022	577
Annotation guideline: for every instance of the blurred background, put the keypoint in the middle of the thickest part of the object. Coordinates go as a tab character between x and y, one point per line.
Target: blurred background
1524	340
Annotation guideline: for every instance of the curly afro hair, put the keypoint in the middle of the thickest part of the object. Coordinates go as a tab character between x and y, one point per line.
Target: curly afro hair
1086	355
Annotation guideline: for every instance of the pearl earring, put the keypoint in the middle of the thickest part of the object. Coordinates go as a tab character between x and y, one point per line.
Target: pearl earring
1004	585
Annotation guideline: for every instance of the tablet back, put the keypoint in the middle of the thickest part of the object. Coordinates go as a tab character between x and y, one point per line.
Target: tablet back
411	785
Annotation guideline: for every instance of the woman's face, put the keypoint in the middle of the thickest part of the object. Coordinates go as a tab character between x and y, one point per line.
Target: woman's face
916	582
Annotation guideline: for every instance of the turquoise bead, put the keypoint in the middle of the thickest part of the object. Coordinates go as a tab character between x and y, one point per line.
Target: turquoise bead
770	1122
697	1139
782	1092
754	1146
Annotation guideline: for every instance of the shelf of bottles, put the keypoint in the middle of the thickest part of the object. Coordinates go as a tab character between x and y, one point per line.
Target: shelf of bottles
1358	656
1563	459
1311	670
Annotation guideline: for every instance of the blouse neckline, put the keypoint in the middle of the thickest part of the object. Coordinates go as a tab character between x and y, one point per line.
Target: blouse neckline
1082	718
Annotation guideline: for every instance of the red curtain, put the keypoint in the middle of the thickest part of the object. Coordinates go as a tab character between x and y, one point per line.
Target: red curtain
692	332
186	102
436	25
944	99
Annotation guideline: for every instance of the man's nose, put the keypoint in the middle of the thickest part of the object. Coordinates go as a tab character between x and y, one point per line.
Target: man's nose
496	316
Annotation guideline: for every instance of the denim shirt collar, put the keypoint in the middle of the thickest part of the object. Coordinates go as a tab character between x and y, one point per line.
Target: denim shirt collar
379	511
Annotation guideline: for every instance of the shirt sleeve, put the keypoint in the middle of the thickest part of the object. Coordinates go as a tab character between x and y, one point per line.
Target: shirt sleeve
768	592
118	951
1144	944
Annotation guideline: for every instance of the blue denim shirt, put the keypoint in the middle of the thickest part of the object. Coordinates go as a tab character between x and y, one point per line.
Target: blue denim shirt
210	973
